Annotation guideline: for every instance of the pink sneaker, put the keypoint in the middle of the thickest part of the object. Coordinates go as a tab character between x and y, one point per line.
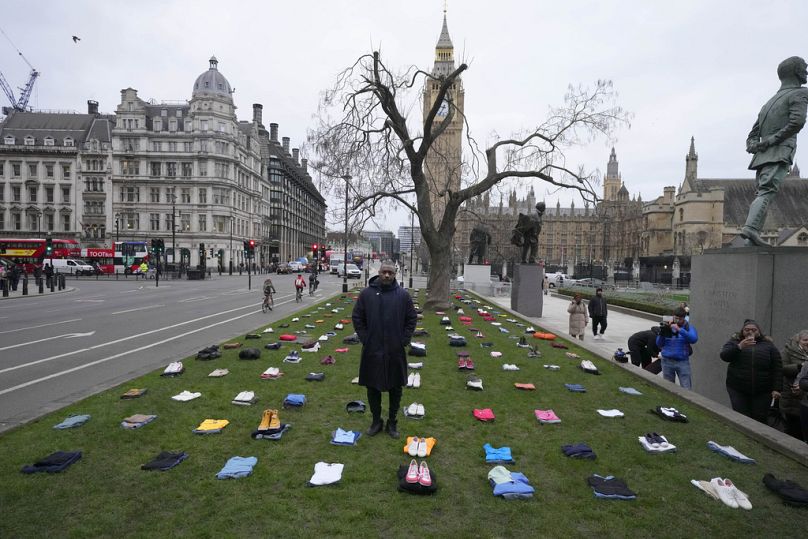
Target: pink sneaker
424	478
412	473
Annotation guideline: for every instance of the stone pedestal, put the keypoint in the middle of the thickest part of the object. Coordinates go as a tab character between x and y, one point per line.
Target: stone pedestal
730	285
526	293
477	277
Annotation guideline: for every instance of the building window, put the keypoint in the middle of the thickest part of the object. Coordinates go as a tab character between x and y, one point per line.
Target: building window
17	221
32	194
802	239
170	195
188	146
130	194
169	221
68	142
154	221
172	146
203	223
49	195
187	170
130	167
203	168
9	141
158	125
2	219
154	194
171	169
29	140
15	193
681	214
131	220
156	146
203	145
2	167
48	141
156	168
50	222
172	125
185	222
66	195
33	170
16	170
66	222
49	171
185	195
203	126
203	195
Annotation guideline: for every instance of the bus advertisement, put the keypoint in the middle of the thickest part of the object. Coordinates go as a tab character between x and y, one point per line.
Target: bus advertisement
124	256
30	252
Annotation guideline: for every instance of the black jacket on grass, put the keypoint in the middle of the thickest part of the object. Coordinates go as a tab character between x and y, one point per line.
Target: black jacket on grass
384	319
755	369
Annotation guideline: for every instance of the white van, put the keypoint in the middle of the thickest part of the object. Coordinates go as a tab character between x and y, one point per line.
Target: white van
71	265
557	280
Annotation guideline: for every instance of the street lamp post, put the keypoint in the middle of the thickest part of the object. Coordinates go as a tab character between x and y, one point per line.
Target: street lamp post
173	230
117	229
347	178
231	245
412	241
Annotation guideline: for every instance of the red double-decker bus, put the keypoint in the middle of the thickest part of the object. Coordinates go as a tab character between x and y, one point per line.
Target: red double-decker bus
30	252
124	256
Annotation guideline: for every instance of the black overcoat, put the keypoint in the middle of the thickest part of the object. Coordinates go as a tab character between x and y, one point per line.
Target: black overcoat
384	318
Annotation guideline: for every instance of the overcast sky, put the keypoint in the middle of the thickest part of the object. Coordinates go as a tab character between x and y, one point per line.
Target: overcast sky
686	68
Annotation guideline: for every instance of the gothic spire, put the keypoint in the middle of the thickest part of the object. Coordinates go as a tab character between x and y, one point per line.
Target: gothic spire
692	152
444	52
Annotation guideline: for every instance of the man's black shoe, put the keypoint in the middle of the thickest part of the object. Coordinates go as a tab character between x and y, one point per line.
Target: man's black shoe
752	238
375	427
392	429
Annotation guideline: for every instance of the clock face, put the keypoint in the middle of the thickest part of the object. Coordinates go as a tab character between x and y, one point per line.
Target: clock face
443	110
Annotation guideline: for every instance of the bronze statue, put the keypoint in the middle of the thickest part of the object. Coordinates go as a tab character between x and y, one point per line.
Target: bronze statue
773	141
479	240
526	233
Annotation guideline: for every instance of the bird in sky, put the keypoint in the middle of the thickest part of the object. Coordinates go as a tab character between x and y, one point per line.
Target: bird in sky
76	39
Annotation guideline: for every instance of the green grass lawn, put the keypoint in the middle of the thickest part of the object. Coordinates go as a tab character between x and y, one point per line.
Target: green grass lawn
107	494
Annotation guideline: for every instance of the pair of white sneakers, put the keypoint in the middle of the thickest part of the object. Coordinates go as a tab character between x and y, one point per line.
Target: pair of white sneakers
416	410
417	447
599	337
509	367
414	380
726	491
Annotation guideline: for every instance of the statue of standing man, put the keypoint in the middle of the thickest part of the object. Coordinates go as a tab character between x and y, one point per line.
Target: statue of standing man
479	240
773	141
526	233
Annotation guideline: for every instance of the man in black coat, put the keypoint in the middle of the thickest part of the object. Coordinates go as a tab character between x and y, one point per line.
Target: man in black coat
598	312
384	319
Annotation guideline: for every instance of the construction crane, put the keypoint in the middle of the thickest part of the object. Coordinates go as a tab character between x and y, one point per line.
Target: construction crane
21	103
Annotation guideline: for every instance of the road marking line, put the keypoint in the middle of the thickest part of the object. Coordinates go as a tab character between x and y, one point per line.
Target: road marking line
138	309
41	326
66	335
189	300
116	356
44	360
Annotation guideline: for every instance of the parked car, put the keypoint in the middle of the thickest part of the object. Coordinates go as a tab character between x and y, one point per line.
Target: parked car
557	280
283	269
591	282
72	266
351	270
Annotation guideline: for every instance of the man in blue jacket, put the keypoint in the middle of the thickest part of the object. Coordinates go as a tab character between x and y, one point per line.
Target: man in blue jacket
674	342
384	319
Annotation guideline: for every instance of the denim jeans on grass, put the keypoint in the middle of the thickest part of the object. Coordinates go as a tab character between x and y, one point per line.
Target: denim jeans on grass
671	368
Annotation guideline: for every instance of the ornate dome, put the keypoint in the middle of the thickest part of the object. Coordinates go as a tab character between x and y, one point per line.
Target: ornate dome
212	83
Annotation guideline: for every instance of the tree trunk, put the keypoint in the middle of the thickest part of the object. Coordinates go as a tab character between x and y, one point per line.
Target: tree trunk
440	274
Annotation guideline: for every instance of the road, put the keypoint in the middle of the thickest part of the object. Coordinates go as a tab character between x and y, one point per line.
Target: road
56	349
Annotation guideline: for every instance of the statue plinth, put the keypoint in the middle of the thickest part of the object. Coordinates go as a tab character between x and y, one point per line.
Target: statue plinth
526	293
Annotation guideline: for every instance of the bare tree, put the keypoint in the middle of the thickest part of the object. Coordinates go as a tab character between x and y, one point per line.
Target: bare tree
364	129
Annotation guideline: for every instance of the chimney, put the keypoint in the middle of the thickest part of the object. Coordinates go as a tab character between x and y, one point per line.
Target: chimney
258	111
273	132
304	163
285	143
669	194
92	107
295	154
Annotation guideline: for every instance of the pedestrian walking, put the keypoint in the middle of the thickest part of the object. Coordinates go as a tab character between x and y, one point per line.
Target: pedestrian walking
597	312
578	317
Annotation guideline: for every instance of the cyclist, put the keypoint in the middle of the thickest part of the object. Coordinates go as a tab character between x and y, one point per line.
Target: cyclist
269	289
313	281
300	284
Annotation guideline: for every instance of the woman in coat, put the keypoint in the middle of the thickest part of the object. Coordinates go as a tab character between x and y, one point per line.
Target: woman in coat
795	357
578	317
755	371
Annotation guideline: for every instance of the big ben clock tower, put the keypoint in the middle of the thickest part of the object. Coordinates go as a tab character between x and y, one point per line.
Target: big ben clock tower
443	161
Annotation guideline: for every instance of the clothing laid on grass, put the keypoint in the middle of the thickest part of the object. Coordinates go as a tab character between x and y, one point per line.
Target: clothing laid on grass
274	434
670	414
345	437
546	416
525	387
134	393
174	368
272	373
218	373
326	473
730	452
610	487
656	443
497	455
245	398
237	467
579	451
575	388
186	396
73	421
211	426
56	462
611	413
509	485
430	443
484	414
422	481
790	492
294	400
136	421
165	460
629	391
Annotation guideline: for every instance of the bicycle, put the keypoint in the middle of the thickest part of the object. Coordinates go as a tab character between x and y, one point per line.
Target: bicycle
268	303
298	295
313	286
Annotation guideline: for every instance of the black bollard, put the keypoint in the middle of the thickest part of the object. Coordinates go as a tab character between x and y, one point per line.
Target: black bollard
4	283
41	283
25	286
62	281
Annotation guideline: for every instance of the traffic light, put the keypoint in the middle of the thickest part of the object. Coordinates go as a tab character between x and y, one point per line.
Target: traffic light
251	248
246	247
211	252
314	250
201	252
161	247
48	245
